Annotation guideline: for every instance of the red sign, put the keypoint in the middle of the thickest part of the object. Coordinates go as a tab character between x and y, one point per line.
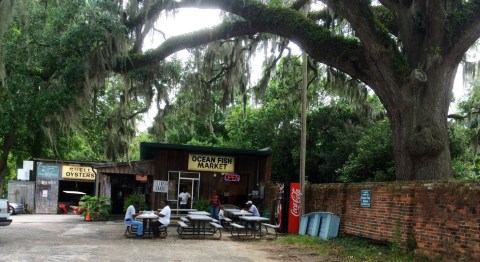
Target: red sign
231	177
294	208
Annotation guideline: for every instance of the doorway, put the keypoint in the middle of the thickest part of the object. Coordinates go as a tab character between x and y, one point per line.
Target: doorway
176	181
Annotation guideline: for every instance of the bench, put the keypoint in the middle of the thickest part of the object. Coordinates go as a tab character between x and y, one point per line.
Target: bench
237	227
274	227
182	226
226	222
131	231
163	230
184	219
216	228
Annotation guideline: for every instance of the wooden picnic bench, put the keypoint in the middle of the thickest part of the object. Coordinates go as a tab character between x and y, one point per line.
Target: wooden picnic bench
163	230
217	229
237	228
274	227
185	230
184	219
131	230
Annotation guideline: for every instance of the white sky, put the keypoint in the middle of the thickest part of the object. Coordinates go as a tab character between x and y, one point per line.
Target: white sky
185	21
189	20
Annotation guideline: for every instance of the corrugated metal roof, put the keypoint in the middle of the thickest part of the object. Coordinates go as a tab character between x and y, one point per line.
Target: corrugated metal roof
146	150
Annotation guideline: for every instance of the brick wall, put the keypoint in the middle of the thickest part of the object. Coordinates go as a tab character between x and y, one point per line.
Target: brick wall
440	219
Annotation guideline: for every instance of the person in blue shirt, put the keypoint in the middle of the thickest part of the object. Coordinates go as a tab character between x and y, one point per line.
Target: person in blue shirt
130	218
252	209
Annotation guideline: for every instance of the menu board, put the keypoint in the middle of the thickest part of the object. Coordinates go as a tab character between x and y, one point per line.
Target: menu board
48	171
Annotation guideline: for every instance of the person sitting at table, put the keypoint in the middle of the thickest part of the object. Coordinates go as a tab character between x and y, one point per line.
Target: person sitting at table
252	209
163	218
130	218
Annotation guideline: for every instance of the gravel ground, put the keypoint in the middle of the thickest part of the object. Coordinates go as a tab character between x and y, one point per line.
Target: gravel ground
69	238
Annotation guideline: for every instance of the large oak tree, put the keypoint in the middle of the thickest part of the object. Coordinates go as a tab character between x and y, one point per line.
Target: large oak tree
407	52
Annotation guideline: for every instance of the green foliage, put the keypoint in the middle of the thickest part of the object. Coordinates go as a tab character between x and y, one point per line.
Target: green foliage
396	235
130	199
55	56
202	205
373	157
334	128
99	207
464	134
348	249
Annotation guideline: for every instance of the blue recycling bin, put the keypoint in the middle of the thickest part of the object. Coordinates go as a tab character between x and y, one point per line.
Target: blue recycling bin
320	224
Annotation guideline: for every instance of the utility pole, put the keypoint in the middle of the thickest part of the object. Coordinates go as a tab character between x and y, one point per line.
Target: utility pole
303	136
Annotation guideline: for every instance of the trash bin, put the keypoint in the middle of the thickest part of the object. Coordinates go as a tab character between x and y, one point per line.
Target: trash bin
320	224
266	213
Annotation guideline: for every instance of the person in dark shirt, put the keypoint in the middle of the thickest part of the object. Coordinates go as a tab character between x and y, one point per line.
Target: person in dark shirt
214	204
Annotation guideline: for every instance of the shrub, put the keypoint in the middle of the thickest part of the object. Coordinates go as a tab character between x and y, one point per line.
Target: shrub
130	199
202	205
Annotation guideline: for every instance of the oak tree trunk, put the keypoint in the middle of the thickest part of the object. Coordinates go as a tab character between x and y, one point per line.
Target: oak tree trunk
419	127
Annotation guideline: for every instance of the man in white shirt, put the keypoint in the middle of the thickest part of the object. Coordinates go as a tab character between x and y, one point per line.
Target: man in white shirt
130	219
183	198
163	219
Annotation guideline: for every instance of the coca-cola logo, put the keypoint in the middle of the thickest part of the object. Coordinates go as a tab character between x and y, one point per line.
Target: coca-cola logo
295	198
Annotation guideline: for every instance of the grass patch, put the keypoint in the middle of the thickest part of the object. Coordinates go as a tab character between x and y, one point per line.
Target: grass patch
347	248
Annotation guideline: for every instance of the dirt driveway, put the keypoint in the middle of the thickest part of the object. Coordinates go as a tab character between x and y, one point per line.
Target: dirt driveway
69	238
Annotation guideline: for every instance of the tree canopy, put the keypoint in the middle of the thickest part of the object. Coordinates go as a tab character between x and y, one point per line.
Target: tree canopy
407	52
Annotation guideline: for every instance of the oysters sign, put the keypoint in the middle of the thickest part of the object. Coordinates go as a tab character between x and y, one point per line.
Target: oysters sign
222	164
78	173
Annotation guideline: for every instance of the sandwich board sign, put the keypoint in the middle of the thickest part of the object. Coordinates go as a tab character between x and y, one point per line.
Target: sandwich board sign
160	186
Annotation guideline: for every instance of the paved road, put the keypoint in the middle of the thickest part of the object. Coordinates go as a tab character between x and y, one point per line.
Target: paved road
69	238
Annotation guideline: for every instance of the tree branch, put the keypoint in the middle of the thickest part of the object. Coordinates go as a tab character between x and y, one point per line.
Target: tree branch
465	27
149	13
344	54
177	43
298	4
362	20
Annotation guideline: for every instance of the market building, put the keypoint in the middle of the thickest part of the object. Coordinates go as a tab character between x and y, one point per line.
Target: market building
237	175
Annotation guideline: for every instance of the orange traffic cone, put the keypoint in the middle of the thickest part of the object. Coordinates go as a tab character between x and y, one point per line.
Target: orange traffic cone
88	217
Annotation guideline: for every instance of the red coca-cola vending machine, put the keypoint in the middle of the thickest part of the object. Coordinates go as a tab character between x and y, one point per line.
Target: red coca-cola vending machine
294	208
287	207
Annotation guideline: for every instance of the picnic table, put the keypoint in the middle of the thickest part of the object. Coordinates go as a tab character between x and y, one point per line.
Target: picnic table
199	226
147	219
178	212
228	211
237	214
255	225
202	213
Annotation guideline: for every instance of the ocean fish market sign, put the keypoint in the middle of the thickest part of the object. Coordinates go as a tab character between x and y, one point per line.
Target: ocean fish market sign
223	164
